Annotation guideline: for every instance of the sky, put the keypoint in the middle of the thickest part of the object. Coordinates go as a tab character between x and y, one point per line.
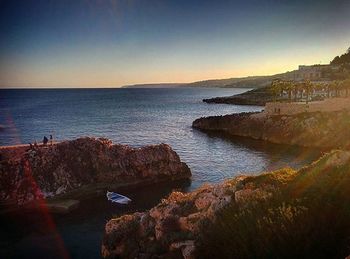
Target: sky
110	43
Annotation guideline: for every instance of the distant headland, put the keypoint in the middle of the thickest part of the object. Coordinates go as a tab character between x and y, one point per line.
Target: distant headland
337	69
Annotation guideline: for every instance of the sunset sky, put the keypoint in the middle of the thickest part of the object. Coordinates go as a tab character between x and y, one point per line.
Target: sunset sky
96	43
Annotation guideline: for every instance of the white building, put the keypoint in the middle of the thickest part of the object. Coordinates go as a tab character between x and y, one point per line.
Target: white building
312	73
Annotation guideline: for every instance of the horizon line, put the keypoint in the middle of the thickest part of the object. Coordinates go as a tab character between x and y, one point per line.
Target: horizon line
125	85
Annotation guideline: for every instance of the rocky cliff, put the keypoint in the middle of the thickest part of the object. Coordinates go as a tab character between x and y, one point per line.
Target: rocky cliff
168	230
259	96
318	129
219	221
28	174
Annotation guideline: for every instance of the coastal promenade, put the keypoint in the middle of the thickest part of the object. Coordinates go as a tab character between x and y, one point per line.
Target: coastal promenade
327	105
19	146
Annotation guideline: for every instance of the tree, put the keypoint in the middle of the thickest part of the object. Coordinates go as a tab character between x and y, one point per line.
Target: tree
275	88
307	85
342	59
288	86
345	85
296	90
333	89
335	61
337	88
318	87
329	88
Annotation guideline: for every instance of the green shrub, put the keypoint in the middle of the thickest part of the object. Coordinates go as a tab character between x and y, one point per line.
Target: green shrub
309	217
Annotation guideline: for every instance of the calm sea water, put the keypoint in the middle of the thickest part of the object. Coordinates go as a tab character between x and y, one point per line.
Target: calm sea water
135	117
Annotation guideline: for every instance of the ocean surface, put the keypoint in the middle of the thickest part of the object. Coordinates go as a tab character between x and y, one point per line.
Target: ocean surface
135	117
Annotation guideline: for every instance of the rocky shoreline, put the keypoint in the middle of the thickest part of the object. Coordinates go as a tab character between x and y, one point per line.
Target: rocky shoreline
259	97
194	225
177	227
324	130
73	170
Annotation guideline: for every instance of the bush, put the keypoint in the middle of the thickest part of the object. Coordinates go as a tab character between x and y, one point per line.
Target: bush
307	218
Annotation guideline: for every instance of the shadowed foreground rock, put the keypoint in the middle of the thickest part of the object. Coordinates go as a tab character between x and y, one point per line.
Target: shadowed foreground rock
31	174
317	129
184	225
168	230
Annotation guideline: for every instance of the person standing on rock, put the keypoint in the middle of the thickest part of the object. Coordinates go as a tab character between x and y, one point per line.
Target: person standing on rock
51	140
45	140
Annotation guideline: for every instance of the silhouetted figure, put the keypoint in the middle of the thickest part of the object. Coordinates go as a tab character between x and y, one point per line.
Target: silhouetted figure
51	140
45	140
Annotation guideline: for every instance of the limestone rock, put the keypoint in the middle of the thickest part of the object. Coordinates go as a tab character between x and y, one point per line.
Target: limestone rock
173	228
30	174
314	129
170	228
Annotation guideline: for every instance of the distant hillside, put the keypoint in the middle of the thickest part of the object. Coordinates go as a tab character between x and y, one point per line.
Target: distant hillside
160	85
243	82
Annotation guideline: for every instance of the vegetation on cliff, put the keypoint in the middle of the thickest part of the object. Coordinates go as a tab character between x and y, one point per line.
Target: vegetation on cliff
281	214
287	90
307	90
343	59
307	216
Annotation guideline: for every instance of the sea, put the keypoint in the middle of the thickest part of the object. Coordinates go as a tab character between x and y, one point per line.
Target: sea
135	117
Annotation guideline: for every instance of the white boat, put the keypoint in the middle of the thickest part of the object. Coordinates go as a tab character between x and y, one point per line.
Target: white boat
118	198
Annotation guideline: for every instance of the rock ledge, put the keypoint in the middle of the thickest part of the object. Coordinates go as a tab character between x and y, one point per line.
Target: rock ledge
86	164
